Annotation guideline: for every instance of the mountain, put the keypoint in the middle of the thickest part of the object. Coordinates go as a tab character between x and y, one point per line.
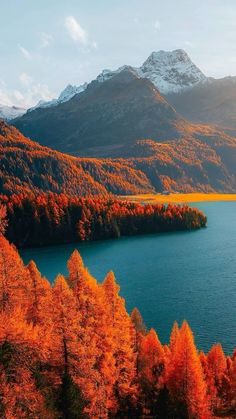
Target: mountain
213	101
10	112
27	166
126	118
120	110
169	71
196	97
64	96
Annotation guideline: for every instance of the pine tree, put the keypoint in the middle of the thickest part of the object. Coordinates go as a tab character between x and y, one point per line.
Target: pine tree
3	221
92	337
123	342
67	353
152	369
40	296
185	379
21	348
14	278
174	337
216	367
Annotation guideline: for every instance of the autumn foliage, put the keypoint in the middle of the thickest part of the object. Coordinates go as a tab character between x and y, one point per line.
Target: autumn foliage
40	219
71	350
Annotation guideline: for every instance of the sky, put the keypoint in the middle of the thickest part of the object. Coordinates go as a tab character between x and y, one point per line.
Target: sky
47	44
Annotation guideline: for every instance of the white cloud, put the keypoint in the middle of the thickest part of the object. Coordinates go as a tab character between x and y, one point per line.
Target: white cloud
78	34
18	96
25	52
189	44
75	30
157	25
2	83
30	94
4	98
25	79
46	39
95	45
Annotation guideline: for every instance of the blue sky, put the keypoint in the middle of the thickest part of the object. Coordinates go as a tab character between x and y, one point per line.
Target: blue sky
46	44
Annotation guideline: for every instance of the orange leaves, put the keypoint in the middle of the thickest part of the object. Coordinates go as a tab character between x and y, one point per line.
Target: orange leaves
185	379
3	221
151	358
14	279
57	218
72	347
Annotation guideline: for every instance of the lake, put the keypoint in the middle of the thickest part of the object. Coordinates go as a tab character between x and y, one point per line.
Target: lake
169	276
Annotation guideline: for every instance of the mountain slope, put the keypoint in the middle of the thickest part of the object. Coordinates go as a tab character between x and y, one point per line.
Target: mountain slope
126	118
9	112
211	102
64	96
26	166
190	164
169	71
118	111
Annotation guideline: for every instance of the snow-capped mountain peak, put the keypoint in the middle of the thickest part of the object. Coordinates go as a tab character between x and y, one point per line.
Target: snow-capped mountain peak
71	91
9	112
108	74
64	96
171	71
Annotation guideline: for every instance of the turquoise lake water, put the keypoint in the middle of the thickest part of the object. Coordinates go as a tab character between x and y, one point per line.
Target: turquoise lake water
170	276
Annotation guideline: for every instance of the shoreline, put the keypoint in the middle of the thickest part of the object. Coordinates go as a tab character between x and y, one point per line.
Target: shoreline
179	197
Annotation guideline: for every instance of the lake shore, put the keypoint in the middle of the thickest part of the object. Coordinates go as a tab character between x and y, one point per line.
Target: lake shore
179	197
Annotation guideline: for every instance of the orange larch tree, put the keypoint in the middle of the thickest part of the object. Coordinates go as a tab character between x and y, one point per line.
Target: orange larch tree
92	336
123	341
216	367
185	380
152	360
14	278
40	298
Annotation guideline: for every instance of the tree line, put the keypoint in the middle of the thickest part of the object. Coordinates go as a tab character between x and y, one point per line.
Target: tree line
70	350
49	218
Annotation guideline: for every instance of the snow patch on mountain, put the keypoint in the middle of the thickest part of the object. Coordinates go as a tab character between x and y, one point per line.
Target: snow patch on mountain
64	96
9	112
171	71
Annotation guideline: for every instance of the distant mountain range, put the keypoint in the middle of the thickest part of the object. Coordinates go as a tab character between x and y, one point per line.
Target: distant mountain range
104	118
211	102
201	159
123	118
195	96
169	71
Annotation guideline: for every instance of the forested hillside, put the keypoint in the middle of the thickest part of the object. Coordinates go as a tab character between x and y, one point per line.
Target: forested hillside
25	166
71	350
46	219
188	164
127	119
